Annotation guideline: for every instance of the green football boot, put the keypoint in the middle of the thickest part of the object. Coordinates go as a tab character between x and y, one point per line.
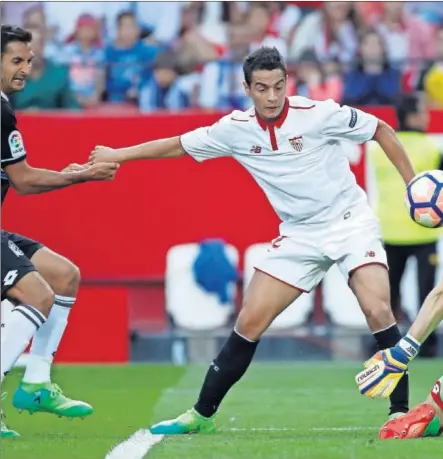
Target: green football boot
5	431
186	423
48	398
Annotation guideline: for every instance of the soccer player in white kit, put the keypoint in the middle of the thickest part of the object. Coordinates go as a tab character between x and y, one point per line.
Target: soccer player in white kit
292	148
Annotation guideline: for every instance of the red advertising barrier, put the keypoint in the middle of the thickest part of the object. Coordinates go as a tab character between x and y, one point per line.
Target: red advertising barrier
124	228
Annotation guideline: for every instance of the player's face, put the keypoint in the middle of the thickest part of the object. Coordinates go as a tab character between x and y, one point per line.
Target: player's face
268	92
16	66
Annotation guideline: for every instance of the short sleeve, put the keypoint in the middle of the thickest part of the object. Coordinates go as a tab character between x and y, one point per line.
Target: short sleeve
208	142
13	150
346	123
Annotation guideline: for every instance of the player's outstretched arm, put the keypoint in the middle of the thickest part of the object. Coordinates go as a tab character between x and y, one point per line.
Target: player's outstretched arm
385	369
429	316
30	180
386	137
162	148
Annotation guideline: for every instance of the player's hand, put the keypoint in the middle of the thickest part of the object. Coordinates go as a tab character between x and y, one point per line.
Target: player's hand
74	167
102	154
100	171
382	373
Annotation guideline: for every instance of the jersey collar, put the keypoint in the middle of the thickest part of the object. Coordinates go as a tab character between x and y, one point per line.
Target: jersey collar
277	122
5	96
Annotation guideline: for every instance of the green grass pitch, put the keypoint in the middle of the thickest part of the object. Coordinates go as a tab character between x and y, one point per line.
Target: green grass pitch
291	410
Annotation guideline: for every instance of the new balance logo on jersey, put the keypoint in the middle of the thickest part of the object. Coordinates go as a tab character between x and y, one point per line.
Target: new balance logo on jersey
297	143
370	254
256	150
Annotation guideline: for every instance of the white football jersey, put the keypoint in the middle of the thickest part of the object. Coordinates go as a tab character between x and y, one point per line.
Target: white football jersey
297	160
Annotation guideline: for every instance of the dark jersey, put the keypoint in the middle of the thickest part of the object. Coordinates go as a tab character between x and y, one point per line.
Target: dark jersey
13	150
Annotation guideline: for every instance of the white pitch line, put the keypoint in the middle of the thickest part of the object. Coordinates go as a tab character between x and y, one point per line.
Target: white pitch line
136	446
141	442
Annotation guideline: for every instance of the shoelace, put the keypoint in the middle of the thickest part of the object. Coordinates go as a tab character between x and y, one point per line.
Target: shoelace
55	390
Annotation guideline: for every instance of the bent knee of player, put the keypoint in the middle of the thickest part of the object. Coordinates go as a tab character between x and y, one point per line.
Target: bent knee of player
67	280
252	321
33	290
72	277
379	314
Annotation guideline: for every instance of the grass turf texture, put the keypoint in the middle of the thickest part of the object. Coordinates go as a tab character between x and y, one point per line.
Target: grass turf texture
297	410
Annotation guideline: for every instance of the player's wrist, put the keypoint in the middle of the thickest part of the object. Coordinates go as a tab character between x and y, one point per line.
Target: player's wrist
122	155
77	177
408	346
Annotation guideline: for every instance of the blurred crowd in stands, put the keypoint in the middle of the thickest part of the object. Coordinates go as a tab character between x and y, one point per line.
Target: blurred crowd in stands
178	55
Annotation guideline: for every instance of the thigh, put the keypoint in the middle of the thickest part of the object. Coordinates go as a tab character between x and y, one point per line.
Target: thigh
361	247
28	246
265	298
295	261
15	265
370	285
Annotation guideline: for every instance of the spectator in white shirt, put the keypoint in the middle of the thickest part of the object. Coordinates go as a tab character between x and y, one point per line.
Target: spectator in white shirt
222	80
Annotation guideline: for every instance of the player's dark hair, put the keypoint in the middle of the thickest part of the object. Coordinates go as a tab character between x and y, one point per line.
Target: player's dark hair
408	105
264	58
12	34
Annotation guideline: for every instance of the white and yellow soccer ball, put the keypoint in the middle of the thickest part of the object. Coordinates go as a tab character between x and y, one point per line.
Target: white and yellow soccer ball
424	199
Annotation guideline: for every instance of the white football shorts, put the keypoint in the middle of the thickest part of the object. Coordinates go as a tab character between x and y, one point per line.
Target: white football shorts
302	258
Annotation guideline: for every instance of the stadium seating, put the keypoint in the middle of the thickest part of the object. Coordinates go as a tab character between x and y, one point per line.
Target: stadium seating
188	305
297	313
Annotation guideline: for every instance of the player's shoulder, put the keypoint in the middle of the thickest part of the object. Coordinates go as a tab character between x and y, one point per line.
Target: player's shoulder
235	120
302	103
8	115
239	116
310	111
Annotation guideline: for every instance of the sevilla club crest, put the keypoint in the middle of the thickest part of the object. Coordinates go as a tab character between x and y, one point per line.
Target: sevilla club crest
297	143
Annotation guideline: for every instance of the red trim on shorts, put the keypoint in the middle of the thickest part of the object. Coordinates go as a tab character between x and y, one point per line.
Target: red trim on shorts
352	271
282	281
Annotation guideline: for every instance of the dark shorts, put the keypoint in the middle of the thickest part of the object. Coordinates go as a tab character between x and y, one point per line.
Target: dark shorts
17	252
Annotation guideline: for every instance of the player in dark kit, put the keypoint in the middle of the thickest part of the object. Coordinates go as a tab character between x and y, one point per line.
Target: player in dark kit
40	282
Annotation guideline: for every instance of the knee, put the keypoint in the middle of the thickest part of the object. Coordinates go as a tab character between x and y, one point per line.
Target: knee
69	278
250	325
380	314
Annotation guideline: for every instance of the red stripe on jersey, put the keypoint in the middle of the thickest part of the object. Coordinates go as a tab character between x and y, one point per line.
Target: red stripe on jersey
272	137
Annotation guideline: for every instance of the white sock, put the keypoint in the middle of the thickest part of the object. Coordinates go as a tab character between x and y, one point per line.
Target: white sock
47	340
20	327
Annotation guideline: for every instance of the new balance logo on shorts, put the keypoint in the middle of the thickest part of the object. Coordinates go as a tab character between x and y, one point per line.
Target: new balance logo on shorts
370	253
